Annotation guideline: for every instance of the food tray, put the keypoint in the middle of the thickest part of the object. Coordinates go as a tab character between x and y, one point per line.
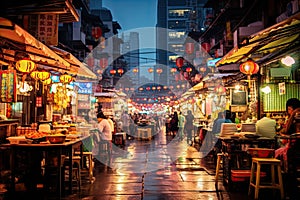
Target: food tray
17	139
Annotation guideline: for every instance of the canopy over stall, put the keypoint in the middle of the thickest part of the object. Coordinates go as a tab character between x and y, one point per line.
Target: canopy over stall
16	43
281	37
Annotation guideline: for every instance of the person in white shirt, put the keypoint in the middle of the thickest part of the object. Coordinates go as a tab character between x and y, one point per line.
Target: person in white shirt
104	127
104	136
266	127
111	123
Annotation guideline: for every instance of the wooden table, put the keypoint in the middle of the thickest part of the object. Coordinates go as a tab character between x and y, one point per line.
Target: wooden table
236	156
65	148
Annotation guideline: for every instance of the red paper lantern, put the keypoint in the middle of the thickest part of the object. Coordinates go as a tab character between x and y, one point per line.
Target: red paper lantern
206	46
103	62
113	72
202	69
135	70
96	32
249	67
179	62
173	70
189	47
159	70
189	69
120	71
150	70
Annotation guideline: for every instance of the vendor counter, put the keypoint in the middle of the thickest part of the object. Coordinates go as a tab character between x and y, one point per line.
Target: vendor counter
36	162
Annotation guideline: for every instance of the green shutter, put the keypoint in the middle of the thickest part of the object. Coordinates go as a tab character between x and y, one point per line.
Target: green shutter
273	102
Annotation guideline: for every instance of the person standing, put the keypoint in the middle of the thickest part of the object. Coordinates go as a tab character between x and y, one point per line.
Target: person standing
126	123
181	121
174	124
189	126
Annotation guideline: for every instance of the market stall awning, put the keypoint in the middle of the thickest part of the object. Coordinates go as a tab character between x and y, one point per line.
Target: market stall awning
64	8
17	42
212	77
85	72
274	38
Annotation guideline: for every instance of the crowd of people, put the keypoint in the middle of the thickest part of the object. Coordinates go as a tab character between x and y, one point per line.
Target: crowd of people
181	125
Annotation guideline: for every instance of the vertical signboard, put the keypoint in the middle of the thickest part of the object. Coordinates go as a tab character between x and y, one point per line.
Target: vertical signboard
48	28
8	86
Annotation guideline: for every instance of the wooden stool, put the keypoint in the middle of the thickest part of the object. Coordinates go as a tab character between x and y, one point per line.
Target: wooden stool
218	166
89	157
76	163
257	163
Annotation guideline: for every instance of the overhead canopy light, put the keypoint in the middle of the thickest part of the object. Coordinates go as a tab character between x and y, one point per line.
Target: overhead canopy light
288	61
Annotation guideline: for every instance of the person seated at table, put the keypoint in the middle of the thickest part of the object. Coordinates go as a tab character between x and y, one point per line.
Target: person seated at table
266	127
104	134
292	107
223	117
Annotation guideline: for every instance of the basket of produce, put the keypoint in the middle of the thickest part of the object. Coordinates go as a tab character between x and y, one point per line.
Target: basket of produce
56	138
36	136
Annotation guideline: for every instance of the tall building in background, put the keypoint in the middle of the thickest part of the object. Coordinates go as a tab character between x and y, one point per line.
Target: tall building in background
176	18
130	48
130	51
95	4
109	45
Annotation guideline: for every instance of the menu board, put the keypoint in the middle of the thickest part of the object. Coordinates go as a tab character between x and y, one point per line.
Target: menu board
238	98
8	84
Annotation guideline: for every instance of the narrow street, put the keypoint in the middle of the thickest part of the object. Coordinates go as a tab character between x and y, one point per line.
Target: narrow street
162	168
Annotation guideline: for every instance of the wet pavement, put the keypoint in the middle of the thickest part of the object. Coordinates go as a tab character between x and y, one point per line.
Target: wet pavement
163	168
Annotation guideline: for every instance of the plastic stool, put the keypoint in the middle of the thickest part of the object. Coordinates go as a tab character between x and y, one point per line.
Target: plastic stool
76	160
257	163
